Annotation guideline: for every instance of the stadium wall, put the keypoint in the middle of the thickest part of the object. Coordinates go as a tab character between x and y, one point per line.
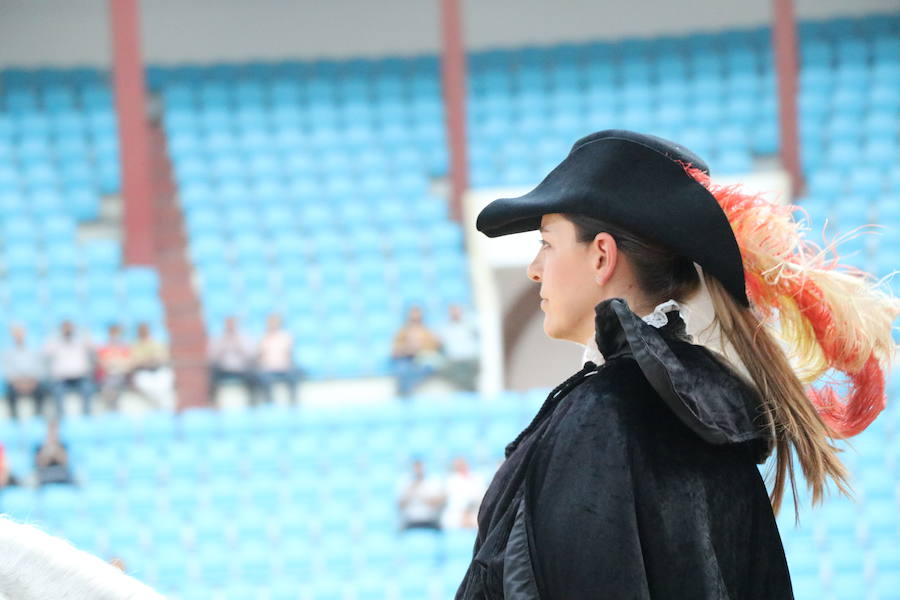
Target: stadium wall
76	32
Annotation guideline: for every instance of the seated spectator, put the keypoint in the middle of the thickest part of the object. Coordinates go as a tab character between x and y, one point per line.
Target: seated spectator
151	375
7	479
71	359
114	367
276	360
23	368
231	358
421	501
459	345
414	353
464	492
52	459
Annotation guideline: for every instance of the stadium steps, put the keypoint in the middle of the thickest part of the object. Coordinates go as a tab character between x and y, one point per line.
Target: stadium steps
182	307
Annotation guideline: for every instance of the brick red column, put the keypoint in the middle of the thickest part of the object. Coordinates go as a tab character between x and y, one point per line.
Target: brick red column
453	71
784	42
134	144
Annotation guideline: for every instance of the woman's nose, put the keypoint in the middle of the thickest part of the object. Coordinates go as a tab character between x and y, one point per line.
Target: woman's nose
532	271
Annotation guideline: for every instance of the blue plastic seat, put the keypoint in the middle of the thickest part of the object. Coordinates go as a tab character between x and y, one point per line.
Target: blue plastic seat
141	280
20	503
170	571
19	229
102	253
21	257
207	249
867	180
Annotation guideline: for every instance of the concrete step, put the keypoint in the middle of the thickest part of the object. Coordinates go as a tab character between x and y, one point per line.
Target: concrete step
112	208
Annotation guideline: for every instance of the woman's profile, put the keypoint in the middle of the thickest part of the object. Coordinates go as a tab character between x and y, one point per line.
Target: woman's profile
638	476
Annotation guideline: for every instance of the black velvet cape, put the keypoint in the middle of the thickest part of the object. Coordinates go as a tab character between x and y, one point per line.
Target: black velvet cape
636	479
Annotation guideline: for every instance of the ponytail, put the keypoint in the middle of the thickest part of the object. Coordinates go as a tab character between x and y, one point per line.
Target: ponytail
795	425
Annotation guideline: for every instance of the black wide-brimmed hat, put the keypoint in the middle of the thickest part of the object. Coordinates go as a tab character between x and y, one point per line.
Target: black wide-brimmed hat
637	182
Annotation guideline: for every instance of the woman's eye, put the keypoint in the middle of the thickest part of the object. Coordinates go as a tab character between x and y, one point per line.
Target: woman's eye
543	243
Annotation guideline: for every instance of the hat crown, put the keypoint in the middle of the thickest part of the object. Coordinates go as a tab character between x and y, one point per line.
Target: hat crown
671	150
638	182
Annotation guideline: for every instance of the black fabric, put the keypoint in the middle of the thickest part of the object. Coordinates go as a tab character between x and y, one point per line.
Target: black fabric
700	388
638	182
518	577
620	496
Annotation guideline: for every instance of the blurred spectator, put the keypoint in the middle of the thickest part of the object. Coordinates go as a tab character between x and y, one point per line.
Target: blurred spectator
114	360
459	344
414	353
7	478
421	500
150	372
71	358
276	360
52	458
231	359
464	492
23	368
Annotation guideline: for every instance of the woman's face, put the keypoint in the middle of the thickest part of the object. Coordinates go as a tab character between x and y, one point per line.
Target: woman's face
571	275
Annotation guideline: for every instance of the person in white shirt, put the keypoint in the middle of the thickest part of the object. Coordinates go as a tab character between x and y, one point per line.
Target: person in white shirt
421	500
459	345
465	489
275	360
231	357
71	364
23	368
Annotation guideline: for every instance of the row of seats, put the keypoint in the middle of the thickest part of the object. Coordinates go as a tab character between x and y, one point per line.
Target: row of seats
49	276
64	127
23	99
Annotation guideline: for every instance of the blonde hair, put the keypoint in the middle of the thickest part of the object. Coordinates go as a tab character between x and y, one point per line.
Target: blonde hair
35	566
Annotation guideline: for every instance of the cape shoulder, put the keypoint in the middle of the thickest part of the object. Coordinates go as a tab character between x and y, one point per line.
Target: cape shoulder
705	393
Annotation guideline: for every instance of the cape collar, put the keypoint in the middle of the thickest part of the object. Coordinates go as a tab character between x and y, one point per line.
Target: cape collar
660	318
703	390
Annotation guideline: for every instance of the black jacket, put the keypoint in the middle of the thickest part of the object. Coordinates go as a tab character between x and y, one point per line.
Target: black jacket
636	479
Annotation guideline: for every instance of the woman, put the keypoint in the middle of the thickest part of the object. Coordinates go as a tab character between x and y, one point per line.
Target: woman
638	478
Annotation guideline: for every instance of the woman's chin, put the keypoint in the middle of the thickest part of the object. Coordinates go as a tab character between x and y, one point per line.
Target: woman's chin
554	331
550	329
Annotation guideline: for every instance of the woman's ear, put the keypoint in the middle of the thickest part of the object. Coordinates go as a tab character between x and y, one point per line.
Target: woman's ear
604	256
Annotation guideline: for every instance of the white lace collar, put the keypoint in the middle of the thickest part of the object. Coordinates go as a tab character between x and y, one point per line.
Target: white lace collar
658	318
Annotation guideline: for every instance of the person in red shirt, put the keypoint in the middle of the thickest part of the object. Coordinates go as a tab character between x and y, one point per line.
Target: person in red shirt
114	364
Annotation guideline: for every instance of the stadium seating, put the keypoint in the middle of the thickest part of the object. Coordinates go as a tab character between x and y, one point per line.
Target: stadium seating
715	93
295	179
306	190
849	100
58	156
